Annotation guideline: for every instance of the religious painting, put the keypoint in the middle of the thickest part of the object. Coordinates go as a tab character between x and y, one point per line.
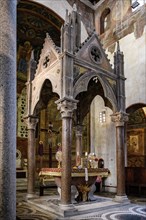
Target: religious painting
135	142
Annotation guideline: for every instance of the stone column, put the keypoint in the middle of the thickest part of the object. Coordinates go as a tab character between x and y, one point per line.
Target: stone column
79	147
31	125
66	107
7	110
120	118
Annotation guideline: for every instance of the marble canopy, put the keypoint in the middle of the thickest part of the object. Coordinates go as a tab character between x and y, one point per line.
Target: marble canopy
76	72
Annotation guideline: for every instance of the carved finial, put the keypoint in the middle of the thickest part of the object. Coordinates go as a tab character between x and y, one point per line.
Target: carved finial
66	17
74	7
118	46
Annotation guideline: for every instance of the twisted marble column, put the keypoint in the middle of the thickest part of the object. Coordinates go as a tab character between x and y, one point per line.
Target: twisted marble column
7	110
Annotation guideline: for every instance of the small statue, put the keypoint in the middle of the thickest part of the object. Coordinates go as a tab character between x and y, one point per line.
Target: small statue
40	148
40	152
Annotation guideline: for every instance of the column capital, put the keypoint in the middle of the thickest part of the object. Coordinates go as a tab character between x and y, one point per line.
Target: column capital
119	118
66	107
31	122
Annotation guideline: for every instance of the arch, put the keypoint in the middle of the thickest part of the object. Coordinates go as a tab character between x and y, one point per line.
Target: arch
45	94
137	115
37	86
134	107
34	20
82	86
104	20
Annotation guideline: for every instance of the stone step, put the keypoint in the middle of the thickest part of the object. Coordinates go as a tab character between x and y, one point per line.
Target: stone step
21	184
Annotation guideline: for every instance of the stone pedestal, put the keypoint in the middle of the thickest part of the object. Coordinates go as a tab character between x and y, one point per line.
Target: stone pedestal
121	199
67	210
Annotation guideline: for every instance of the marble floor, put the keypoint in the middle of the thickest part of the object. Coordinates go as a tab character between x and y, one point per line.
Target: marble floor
103	208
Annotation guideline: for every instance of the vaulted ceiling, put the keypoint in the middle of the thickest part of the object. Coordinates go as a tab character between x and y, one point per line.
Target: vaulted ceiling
34	21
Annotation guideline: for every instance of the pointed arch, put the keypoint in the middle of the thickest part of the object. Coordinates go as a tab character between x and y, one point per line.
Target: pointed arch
45	93
82	85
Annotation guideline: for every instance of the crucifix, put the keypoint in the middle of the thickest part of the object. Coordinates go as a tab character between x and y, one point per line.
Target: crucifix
46	61
51	133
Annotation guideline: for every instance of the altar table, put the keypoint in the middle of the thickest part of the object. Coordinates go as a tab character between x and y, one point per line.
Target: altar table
83	183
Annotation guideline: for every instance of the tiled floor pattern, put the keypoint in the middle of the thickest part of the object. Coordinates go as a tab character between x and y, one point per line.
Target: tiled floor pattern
103	211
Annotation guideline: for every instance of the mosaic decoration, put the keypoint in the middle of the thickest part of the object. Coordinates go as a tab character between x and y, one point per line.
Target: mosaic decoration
33	22
137	117
22	128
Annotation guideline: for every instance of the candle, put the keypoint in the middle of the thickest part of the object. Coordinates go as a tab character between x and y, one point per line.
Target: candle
86	174
86	154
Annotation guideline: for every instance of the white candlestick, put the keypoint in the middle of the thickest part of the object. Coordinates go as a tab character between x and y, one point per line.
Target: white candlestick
86	174
86	154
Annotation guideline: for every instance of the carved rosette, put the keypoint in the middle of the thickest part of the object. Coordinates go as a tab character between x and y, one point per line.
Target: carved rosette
66	107
31	122
119	118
